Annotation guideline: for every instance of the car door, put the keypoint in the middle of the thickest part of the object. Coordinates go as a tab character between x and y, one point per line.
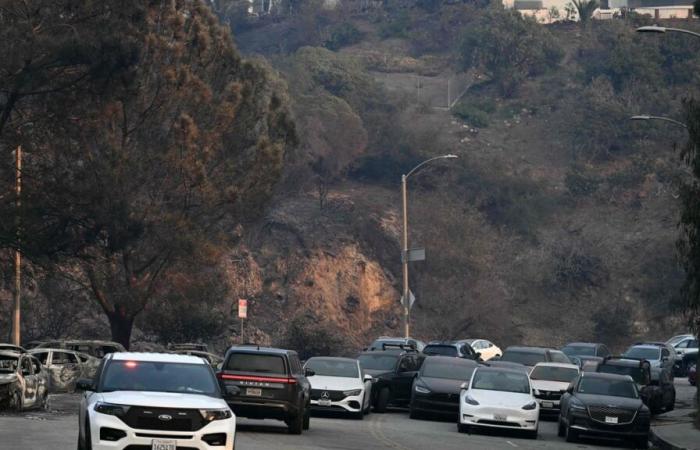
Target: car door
41	377
65	370
30	382
408	367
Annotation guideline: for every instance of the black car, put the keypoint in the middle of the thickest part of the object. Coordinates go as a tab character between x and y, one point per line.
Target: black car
437	386
604	405
658	396
391	342
684	363
394	372
507	365
271	385
453	349
530	356
582	352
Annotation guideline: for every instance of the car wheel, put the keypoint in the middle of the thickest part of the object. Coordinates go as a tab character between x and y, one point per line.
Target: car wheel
462	428
16	402
382	401
531	434
307	418
45	401
571	435
413	414
88	436
561	430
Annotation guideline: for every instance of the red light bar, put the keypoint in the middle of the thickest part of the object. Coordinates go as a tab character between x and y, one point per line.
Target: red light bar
130	364
258	379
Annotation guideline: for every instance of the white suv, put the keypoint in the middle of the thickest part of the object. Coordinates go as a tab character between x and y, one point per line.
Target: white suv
154	401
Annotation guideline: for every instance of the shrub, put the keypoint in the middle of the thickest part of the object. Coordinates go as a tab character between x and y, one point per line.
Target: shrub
343	35
471	114
580	184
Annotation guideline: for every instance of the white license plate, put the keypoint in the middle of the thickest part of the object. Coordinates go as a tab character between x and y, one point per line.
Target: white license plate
159	444
253	392
609	419
547	405
324	402
500	418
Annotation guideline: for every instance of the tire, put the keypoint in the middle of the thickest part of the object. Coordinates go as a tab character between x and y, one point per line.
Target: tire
360	415
531	434
415	415
570	434
296	424
641	443
16	402
463	428
88	436
307	418
382	401
45	402
561	430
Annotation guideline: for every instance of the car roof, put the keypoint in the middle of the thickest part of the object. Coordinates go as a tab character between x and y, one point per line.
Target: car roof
442	344
451	360
555	364
583	344
525	348
645	345
156	357
607	376
333	358
259	349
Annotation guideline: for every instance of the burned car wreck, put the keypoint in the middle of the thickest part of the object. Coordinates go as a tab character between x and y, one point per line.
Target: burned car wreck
65	367
23	382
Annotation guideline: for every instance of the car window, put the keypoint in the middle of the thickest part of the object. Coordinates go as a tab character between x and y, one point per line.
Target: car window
61	358
8	364
579	350
42	356
36	365
378	361
457	370
665	353
643	353
602	386
26	366
296	364
552	373
503	381
523	357
333	367
444	350
159	377
603	351
256	362
559	357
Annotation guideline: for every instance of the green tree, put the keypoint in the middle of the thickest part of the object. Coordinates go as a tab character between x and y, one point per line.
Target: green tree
150	158
509	47
585	9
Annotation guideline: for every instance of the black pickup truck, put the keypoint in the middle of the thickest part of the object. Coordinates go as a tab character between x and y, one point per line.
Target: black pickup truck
267	383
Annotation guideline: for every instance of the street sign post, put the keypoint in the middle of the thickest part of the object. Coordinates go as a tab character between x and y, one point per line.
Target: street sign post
413	254
242	314
411	298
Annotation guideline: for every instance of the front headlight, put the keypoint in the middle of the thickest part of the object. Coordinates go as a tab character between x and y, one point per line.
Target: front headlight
530	406
470	400
211	415
111	409
422	390
577	407
353	393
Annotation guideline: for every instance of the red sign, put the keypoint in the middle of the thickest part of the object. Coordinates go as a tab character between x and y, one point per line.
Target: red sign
242	308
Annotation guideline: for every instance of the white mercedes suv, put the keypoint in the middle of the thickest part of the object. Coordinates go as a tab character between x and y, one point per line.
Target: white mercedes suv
154	401
338	384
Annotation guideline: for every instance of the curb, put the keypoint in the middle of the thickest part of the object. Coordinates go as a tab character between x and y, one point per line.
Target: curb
662	443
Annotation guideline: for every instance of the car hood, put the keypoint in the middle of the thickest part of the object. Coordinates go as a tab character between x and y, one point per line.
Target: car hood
547	385
6	378
499	398
609	401
334	383
162	400
441	385
375	372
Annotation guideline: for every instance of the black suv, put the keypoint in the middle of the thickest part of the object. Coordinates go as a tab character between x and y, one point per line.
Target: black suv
267	383
604	405
657	395
394	371
530	356
454	349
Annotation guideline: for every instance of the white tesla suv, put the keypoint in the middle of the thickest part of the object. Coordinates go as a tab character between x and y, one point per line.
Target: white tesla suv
498	398
154	401
550	381
338	384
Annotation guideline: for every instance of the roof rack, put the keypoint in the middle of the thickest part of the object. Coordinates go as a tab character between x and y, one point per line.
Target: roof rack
405	347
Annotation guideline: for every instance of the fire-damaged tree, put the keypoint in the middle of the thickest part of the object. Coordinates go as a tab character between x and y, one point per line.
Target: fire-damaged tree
689	243
161	140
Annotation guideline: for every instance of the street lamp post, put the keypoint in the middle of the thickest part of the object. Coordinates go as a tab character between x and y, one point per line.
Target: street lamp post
665	119
404	255
658	29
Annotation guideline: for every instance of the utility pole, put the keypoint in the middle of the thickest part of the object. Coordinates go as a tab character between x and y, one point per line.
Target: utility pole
404	261
16	338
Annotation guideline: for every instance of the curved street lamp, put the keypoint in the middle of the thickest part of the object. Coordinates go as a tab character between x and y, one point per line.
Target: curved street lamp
658	29
404	257
665	119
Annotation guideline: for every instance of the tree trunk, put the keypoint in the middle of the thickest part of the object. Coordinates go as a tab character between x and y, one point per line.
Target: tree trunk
121	325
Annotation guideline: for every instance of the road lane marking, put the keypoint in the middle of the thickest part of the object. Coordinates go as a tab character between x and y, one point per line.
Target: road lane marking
512	444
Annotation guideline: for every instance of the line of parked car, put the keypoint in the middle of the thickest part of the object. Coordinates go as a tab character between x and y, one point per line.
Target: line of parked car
191	397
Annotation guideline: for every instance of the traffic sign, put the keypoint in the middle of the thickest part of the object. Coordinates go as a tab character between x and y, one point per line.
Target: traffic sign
412	299
242	308
413	254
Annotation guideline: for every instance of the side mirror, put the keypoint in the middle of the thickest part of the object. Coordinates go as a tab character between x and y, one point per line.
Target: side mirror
464	386
232	391
368	377
570	389
309	373
84	384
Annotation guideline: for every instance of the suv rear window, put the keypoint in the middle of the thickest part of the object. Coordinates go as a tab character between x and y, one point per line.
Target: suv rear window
524	357
258	363
442	350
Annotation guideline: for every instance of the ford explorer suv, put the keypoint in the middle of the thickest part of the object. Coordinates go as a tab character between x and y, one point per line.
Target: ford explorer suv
154	401
268	383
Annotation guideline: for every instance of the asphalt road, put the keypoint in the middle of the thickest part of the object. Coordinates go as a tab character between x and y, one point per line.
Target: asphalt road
57	430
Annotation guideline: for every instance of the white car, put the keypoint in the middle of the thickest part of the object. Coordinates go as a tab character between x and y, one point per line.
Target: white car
550	381
685	346
487	349
338	384
156	401
498	398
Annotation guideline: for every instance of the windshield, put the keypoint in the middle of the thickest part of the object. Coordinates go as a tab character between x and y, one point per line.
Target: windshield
447	370
578	350
258	363
550	373
644	353
637	373
333	368
501	381
159	377
8	364
613	388
441	350
526	358
378	362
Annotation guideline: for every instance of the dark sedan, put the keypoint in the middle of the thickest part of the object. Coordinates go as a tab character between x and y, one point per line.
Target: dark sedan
437	386
604	405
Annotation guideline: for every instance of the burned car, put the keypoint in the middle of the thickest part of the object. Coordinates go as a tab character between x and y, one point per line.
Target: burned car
177	348
23	382
65	367
12	348
96	349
